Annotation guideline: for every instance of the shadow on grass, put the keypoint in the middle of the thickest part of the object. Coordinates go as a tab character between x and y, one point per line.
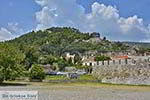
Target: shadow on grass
13	84
93	82
72	81
139	85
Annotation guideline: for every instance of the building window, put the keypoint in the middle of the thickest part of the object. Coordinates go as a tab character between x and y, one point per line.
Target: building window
126	61
102	62
108	62
97	62
119	61
90	64
85	64
114	62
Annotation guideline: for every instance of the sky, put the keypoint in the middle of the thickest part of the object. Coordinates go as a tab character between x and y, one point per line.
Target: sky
119	20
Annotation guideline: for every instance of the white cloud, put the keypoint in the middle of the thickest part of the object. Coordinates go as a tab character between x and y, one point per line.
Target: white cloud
11	31
59	13
102	18
5	34
15	28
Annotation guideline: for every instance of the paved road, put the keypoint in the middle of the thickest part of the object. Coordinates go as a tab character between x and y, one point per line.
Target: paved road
58	92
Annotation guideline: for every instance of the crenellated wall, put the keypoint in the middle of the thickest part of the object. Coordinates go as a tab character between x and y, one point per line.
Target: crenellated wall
132	61
109	62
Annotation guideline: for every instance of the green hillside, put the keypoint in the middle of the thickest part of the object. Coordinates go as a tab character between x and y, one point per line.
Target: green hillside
46	47
58	40
49	47
145	45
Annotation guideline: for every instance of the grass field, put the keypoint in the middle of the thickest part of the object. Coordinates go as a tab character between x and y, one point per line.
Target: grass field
82	77
77	84
79	90
83	81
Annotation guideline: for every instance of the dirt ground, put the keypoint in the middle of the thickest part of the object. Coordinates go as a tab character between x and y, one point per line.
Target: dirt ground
84	91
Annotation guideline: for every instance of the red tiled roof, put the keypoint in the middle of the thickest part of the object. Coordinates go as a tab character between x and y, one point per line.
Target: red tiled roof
121	57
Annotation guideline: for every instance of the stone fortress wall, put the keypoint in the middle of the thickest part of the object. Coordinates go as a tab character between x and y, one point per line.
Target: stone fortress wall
132	61
136	72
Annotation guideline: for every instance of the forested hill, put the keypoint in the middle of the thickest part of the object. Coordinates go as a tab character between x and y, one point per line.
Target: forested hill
145	45
47	47
57	40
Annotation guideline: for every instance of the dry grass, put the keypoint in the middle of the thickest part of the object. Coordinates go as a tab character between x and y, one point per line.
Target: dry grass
83	84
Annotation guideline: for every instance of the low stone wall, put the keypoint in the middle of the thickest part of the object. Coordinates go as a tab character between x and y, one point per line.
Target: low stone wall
125	74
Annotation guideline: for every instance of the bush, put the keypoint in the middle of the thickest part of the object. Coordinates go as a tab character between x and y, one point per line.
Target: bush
1	79
36	72
1	76
102	58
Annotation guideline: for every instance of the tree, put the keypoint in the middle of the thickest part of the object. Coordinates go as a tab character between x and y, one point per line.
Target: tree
102	58
61	64
10	62
77	60
95	34
37	72
104	38
1	76
31	56
70	61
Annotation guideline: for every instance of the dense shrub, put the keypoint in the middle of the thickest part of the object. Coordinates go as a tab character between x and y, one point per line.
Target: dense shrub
1	76
102	58
37	72
10	62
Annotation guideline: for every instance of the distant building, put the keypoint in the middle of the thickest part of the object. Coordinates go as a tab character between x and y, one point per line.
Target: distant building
116	60
47	68
88	61
70	69
95	35
70	56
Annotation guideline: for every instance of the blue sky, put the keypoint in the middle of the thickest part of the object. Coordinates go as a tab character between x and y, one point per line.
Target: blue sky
20	16
126	7
21	11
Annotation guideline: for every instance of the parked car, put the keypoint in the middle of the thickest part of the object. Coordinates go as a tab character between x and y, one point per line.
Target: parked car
51	73
81	72
72	75
62	73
